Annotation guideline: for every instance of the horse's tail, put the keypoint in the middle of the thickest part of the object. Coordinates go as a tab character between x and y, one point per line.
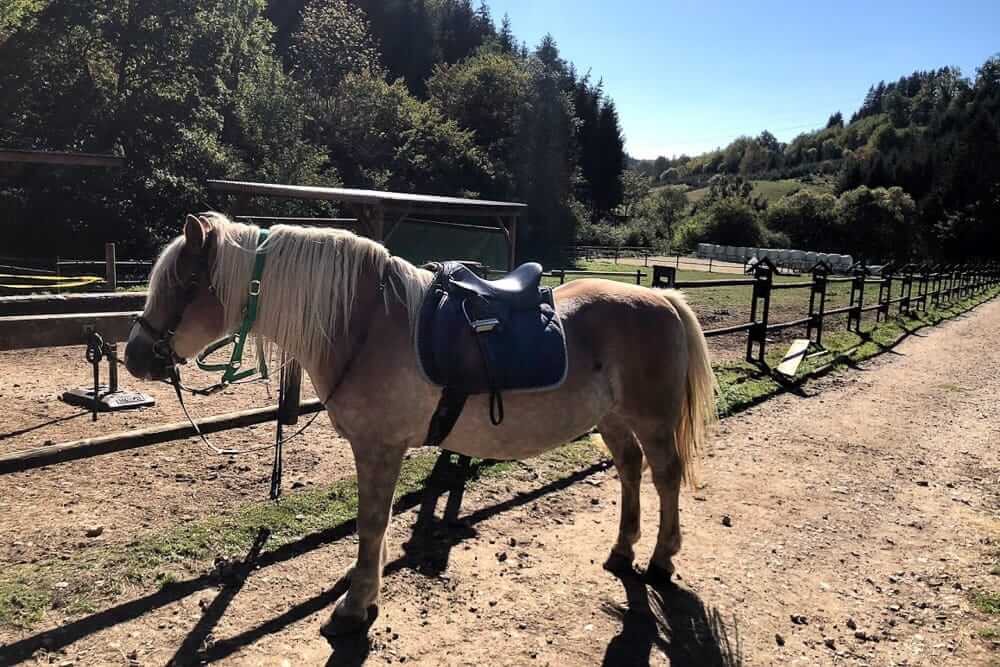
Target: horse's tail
698	411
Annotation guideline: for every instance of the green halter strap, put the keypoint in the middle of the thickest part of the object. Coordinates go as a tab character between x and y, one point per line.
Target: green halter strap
231	371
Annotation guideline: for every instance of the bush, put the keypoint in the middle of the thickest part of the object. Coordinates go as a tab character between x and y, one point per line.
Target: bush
726	221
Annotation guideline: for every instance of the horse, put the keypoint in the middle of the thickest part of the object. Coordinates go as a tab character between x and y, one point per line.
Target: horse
345	308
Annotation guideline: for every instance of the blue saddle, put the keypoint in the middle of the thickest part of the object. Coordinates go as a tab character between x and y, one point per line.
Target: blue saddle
477	336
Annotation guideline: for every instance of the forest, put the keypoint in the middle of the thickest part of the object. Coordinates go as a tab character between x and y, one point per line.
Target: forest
440	97
429	96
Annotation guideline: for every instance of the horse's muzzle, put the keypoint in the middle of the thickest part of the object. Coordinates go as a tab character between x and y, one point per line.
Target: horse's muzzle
141	358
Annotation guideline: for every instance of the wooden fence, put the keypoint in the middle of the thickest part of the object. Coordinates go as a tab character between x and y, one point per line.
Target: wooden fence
934	285
59	275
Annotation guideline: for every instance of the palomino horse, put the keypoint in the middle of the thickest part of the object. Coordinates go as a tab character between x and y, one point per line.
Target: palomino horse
344	308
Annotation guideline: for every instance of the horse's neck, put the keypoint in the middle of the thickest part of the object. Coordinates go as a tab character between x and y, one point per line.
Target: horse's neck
340	342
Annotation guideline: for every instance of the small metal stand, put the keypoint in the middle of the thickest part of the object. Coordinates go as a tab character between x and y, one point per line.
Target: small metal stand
101	397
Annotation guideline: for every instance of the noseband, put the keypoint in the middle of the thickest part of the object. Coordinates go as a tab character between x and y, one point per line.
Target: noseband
163	348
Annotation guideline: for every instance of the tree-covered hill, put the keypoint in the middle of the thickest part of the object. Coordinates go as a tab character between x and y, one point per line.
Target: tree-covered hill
414	95
935	135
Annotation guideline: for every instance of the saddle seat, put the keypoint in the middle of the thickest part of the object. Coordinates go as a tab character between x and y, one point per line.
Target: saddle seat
520	287
477	336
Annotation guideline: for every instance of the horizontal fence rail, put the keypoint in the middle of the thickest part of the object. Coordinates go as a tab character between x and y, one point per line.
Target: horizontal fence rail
119	442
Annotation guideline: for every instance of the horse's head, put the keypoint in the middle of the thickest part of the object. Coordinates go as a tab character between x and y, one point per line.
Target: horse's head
182	314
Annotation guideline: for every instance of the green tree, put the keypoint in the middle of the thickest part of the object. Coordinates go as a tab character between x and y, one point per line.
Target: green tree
808	218
333	41
488	93
635	188
726	221
877	222
664	208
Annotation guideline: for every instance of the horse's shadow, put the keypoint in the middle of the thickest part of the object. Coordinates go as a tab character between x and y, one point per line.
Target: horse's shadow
673	620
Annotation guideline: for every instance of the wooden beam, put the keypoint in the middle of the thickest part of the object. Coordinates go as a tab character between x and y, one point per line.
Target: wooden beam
88	302
397	203
119	442
61	158
22	332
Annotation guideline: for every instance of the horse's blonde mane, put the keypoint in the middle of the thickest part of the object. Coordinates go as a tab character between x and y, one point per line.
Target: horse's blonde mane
310	283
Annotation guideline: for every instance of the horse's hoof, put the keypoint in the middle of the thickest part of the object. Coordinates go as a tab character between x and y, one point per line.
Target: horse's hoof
618	564
342	624
658	576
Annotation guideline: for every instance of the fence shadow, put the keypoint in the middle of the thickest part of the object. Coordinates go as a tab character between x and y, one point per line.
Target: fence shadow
673	620
424	551
50	422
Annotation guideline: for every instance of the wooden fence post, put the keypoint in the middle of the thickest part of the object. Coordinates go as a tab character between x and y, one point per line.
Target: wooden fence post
905	289
884	294
857	299
922	287
820	273
110	268
936	286
760	303
664	276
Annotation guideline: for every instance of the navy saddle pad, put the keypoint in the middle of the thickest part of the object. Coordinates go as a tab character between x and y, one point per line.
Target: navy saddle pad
478	336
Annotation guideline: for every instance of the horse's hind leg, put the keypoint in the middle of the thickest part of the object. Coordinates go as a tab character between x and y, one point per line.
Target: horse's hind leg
659	446
628	460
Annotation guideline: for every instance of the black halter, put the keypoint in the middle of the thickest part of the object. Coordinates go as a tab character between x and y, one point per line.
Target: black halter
163	349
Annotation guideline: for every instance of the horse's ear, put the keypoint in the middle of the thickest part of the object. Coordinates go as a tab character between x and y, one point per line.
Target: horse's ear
195	232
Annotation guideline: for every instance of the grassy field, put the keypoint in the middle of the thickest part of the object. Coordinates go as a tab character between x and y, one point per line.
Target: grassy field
771	191
729	298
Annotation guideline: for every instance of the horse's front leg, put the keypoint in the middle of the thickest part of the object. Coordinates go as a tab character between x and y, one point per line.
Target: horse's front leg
378	470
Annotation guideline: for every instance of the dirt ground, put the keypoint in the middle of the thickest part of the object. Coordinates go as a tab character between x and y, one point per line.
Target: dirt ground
846	524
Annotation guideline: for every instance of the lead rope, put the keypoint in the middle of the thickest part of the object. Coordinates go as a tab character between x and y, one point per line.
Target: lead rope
277	467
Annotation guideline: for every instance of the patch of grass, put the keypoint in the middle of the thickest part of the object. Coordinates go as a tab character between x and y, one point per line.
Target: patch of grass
771	191
990	634
987	602
22	604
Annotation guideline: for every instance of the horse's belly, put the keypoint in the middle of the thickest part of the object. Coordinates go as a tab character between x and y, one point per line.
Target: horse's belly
533	422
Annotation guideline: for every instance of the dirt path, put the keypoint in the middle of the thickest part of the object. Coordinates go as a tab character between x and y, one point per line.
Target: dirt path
867	508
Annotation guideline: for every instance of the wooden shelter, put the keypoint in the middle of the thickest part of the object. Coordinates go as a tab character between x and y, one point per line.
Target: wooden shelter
378	214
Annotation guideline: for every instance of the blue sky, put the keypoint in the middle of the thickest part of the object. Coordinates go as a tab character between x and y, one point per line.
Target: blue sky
690	76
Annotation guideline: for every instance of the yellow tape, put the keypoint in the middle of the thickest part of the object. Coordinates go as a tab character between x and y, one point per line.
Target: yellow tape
89	280
52	278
